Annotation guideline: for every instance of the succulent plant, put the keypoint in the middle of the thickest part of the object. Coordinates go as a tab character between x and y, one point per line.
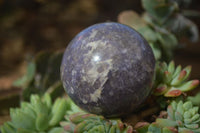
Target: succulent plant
43	75
108	69
162	25
182	115
38	116
144	127
171	81
90	123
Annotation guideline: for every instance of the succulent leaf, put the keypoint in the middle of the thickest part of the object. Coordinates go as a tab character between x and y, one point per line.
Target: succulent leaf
56	130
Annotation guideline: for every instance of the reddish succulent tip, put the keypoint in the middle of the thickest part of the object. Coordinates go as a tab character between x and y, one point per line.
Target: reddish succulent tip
173	129
67	128
173	93
130	129
87	115
166	72
141	124
121	126
73	116
182	74
195	82
160	89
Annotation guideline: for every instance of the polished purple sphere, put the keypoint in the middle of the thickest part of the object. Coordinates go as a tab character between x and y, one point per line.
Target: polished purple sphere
108	69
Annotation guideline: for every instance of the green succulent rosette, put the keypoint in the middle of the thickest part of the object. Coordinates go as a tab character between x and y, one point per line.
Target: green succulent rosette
183	116
172	81
90	123
41	115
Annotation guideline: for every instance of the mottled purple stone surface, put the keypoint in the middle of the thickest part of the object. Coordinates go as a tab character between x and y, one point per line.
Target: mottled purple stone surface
108	69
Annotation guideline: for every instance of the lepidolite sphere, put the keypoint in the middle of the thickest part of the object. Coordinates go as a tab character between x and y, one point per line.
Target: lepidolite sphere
108	69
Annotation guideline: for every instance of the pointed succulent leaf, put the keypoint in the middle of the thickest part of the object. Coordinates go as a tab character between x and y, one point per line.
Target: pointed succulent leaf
89	126
41	107
177	71
187	120
180	108
174	105
187	105
47	100
34	99
28	108
42	122
187	115
171	67
161	89
166	122
58	112
194	110
80	127
56	130
188	70
170	112
192	126
68	126
178	116
195	117
189	85
167	77
179	78
173	92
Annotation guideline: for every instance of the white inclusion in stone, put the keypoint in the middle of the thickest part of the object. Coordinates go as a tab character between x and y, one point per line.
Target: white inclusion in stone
84	101
124	51
72	90
96	58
